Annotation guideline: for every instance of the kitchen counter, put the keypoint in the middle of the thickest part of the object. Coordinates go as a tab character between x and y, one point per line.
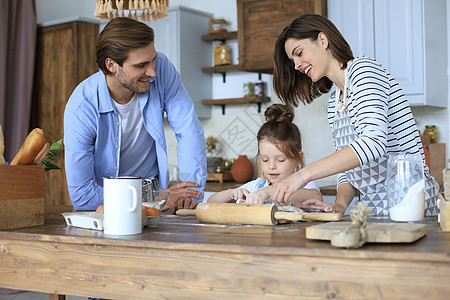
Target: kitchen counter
184	259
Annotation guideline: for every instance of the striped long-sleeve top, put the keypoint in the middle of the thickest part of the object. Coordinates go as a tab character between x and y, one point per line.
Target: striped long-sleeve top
377	122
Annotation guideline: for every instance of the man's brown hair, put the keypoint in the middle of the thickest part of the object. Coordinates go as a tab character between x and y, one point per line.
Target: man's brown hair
120	36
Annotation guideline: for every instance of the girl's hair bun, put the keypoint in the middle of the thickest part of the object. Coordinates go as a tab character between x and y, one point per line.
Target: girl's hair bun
279	113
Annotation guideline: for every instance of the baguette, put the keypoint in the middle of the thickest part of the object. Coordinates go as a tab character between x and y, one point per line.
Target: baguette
41	155
33	144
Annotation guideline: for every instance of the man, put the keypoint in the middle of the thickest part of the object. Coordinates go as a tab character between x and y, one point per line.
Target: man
114	121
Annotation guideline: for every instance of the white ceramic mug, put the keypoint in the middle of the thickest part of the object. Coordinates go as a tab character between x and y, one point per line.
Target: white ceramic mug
122	198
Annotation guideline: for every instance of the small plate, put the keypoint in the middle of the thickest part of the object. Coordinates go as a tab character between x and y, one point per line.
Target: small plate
151	221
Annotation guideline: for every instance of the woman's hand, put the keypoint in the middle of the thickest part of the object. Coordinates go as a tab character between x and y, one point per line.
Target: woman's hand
284	188
238	193
318	205
259	196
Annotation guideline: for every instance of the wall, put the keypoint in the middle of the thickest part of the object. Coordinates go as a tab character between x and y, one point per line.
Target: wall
237	129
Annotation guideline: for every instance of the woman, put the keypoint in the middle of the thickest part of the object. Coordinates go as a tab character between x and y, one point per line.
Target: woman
368	113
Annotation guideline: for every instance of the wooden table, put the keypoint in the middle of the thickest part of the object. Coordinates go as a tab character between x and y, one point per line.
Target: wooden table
183	259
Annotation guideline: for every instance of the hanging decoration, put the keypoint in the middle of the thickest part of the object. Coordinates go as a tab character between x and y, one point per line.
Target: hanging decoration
148	9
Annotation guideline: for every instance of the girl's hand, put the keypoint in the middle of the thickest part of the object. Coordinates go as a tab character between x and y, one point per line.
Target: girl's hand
284	188
318	205
237	194
259	196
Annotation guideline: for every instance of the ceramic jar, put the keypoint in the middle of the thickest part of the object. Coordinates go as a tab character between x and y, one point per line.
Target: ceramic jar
242	169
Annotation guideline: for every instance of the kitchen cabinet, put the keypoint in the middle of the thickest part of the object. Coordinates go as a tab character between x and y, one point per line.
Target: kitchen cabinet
65	56
260	22
179	37
408	37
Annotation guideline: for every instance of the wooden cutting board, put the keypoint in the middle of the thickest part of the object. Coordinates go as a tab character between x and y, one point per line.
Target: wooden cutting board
376	233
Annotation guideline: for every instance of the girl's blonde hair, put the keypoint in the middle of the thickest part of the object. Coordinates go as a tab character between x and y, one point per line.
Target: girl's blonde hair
281	132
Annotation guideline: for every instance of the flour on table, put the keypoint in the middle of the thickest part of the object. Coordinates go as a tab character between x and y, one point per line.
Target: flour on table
290	208
412	207
285	208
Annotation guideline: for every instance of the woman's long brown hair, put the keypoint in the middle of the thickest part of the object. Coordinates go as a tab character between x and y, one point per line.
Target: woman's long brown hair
292	86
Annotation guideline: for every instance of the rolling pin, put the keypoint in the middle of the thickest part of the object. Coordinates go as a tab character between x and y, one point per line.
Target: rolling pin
252	214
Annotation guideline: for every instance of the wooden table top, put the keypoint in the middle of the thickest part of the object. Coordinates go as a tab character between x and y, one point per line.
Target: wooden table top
185	232
184	259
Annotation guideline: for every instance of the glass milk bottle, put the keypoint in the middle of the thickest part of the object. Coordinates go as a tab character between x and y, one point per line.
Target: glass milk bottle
405	188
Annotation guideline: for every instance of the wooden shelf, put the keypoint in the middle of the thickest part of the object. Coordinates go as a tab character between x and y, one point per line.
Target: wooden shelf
221	69
223	36
251	99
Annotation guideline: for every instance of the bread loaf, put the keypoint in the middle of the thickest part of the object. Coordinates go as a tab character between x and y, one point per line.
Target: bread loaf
33	144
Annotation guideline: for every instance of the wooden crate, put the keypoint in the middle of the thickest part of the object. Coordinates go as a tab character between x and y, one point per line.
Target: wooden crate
220	177
444	213
436	161
446	176
22	196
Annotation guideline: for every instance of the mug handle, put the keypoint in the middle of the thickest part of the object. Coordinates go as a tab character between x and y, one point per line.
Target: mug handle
134	205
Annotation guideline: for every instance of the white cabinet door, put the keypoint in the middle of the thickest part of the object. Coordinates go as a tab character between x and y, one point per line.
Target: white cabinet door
179	37
399	42
165	37
354	19
408	37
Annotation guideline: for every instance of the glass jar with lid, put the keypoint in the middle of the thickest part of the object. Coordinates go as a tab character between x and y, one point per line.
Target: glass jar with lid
432	131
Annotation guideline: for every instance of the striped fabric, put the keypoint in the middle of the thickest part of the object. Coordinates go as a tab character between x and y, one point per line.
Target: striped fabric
377	123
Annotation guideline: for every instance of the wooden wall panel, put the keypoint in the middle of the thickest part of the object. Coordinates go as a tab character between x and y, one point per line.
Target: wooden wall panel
65	56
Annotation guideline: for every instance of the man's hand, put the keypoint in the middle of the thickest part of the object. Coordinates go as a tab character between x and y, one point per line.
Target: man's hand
181	189
179	203
180	196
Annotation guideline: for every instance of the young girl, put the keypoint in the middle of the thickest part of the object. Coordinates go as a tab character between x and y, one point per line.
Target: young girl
368	113
279	155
